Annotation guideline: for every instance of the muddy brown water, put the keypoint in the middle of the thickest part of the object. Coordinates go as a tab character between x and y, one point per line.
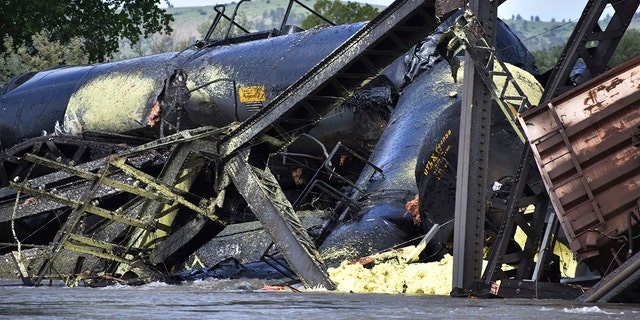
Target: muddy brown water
239	299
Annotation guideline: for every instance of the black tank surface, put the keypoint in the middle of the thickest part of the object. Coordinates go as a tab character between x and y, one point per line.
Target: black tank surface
418	155
154	95
384	221
436	170
36	105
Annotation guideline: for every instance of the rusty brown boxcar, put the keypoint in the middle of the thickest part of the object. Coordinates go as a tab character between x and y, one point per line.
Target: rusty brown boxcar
584	146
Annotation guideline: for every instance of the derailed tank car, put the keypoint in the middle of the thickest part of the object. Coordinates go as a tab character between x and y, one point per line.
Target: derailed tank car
190	89
424	126
141	99
156	95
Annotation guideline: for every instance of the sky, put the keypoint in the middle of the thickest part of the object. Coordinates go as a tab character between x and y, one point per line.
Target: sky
545	9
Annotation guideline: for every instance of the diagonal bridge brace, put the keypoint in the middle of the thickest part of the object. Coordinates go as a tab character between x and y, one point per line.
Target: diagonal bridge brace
267	201
296	111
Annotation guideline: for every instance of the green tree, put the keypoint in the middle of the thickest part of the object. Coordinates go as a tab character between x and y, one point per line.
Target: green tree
99	24
339	13
43	54
547	58
628	47
221	29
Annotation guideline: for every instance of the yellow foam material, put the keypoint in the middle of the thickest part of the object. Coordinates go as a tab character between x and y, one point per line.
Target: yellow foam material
390	274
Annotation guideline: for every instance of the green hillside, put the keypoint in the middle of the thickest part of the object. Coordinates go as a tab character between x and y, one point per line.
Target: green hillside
267	14
261	15
537	35
191	22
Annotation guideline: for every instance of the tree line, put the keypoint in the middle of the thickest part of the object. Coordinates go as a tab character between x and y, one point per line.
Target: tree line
37	34
629	47
40	34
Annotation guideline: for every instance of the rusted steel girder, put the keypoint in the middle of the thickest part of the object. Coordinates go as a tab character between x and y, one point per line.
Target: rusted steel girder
468	242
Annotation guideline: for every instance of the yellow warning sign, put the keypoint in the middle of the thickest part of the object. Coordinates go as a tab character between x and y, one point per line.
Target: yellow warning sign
251	94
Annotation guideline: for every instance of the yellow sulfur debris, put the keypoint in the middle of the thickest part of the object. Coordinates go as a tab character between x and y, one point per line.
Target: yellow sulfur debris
389	273
568	263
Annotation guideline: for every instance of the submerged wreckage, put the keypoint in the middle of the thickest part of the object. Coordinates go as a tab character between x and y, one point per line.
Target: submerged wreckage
340	141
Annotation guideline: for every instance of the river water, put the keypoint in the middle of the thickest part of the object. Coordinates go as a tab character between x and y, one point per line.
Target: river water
238	299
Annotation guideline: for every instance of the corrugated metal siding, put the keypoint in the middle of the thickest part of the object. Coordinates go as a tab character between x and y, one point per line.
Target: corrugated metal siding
582	143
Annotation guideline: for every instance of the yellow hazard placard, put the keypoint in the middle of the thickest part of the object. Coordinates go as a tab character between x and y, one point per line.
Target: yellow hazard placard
251	94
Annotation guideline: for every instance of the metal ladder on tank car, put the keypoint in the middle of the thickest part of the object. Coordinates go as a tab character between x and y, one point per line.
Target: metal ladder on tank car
589	42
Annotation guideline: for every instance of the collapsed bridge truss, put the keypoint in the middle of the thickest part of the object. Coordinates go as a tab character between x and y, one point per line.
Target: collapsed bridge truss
142	189
239	155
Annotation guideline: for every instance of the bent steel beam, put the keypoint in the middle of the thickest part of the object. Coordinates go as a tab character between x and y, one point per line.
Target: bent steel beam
267	201
359	59
297	109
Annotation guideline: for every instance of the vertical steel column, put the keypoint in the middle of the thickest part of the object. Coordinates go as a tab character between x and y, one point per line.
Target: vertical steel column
468	241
